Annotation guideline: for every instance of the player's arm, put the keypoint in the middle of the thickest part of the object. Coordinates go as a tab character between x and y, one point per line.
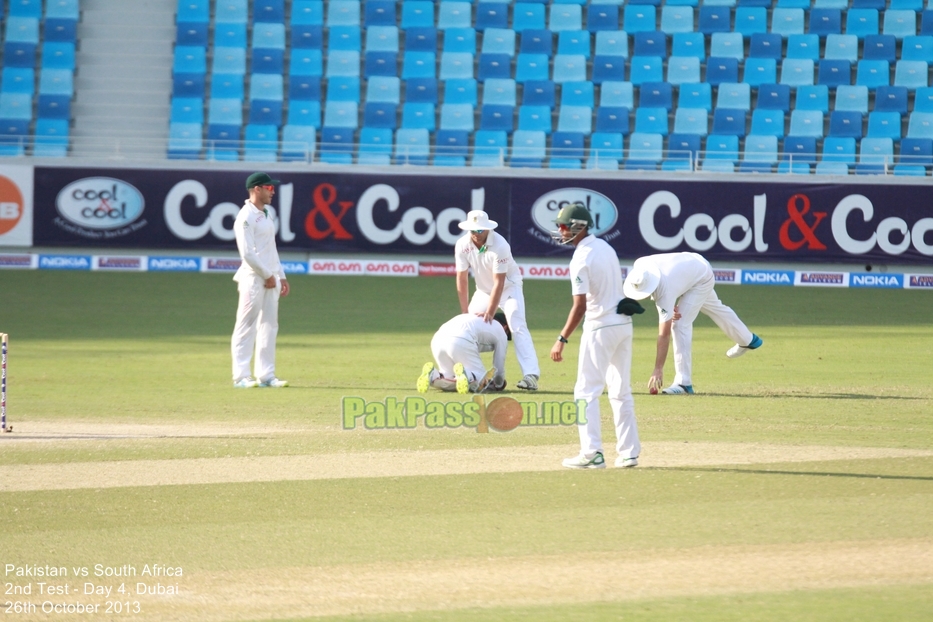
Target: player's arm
664	343
573	320
498	284
246	244
463	289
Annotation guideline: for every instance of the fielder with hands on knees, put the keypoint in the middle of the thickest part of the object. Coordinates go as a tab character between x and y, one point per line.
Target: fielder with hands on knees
498	284
260	281
605	343
681	285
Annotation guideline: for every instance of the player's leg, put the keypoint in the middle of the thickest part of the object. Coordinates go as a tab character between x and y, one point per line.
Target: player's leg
478	303
688	306
266	335
244	331
589	387
443	376
465	353
727	320
618	380
513	305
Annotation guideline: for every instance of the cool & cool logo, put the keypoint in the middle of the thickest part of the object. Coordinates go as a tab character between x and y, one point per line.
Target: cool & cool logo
100	203
604	212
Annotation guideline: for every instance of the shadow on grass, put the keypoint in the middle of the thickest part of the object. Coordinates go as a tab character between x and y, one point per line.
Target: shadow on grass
803	473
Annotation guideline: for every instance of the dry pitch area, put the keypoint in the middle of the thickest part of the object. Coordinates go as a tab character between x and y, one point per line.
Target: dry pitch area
532	580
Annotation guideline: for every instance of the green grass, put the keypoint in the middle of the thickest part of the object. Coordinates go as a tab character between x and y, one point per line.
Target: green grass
839	367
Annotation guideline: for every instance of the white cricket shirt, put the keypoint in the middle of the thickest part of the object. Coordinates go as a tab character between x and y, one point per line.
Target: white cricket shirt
679	273
496	259
255	239
489	337
595	271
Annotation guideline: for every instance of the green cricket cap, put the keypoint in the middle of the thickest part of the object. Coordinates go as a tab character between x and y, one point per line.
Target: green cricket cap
260	179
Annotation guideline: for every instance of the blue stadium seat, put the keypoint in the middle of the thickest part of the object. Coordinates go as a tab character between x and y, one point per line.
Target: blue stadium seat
884	125
183	110
581	93
341	114
18	80
694	121
418	65
539	93
608	68
489	148
786	22
799	148
500	91
499	66
918	48
768	122
383	115
803	46
460	40
460	92
56	82
916	151
714	19
730	45
606	146
343	13
774	97
852	97
304	113
574	42
569	68
184	139
923	100
719	70
453	14
265	60
227	86
534	118
729	122
191	33
375	147
834	73
382	39
911	74
380	64
530	67
383	89
651	121
751	20
417	14
68	9
765	45
734	95
611	43
452	144
721	153
684	146
56	29
873	73
760	71
307	12
648	43
265	112
695	96
336	145
527	16
683	70
899	23
879	47
456	66
825	22
806	123
612	120
656	95
271	36
344	38
617	94
379	13
689	44
643	69
797	72
299	87
536	42
424	90
891	99
842	47
759	155
839	149
813	97
418	116
639	18
845	124
920	125
226	60
306	62
528	149
645	151
59	55
497	41
491	15
457	117
261	143
22	30
565	17
676	19
862	22
232	36
567	147
603	17
421	40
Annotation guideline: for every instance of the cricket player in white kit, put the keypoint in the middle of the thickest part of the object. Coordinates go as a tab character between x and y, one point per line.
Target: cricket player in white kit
456	347
498	284
605	344
681	285
260	282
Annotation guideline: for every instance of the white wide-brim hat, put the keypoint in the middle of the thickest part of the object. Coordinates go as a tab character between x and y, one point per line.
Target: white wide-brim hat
642	280
478	220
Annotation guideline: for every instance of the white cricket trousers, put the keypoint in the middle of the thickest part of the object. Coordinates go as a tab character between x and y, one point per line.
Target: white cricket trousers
606	361
448	351
257	324
512	304
703	298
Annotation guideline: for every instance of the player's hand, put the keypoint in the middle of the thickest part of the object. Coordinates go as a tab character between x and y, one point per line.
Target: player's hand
557	352
269	283
655	383
285	288
677	315
489	315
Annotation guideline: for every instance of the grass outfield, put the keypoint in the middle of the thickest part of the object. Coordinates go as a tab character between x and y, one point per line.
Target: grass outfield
797	484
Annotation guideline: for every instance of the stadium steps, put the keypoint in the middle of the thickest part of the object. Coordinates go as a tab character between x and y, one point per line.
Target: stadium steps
123	75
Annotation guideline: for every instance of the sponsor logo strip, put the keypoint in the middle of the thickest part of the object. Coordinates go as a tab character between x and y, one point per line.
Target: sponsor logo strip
18	261
825	279
119	263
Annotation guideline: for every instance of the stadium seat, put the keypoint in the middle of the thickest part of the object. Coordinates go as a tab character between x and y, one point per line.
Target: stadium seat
456	66
306	62
689	44
729	45
681	70
721	153
786	22
499	66
421	40
834	73
341	114
343	13
719	70
842	47
299	87
768	122
920	125
825	22
799	148
923	100
644	69
375	148
304	114
498	118
539	93
862	22
536	42
59	55
527	16
611	43
265	112
261	143
461	40
68	9
695	96
617	94
418	116
813	97
459	92
807	123
489	148
676	19
759	155
750	20
379	13
530	67
569	68
307	12
645	151
602	17
911	74
765	45
382	115
845	124
900	23
891	99
451	146
453	14
803	46
797	72
639	18
567	147
884	125
774	97
418	65
879	47
500	91
760	71
577	94
879	151
729	122
692	121
230	86
873	73
734	95
424	90
648	43
852	97
498	41
656	95
530	118
336	145
56	29
714	19
606	146
457	117
382	39
612	120
417	14
651	121
528	149
344	89
191	33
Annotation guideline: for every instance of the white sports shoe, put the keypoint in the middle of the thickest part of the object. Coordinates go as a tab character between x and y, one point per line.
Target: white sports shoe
626	463
274	383
678	389
246	383
424	380
582	462
463	384
529	383
736	351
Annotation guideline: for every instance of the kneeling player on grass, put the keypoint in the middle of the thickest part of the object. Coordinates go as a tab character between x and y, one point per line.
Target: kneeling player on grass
456	347
681	285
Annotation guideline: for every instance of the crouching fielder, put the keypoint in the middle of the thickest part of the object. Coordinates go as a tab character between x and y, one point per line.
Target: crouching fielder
456	347
605	345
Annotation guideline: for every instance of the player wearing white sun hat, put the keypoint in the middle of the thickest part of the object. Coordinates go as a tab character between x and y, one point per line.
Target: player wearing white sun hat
681	285
498	285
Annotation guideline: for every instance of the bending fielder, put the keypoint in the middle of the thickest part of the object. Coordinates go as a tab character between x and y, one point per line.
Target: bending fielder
456	347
